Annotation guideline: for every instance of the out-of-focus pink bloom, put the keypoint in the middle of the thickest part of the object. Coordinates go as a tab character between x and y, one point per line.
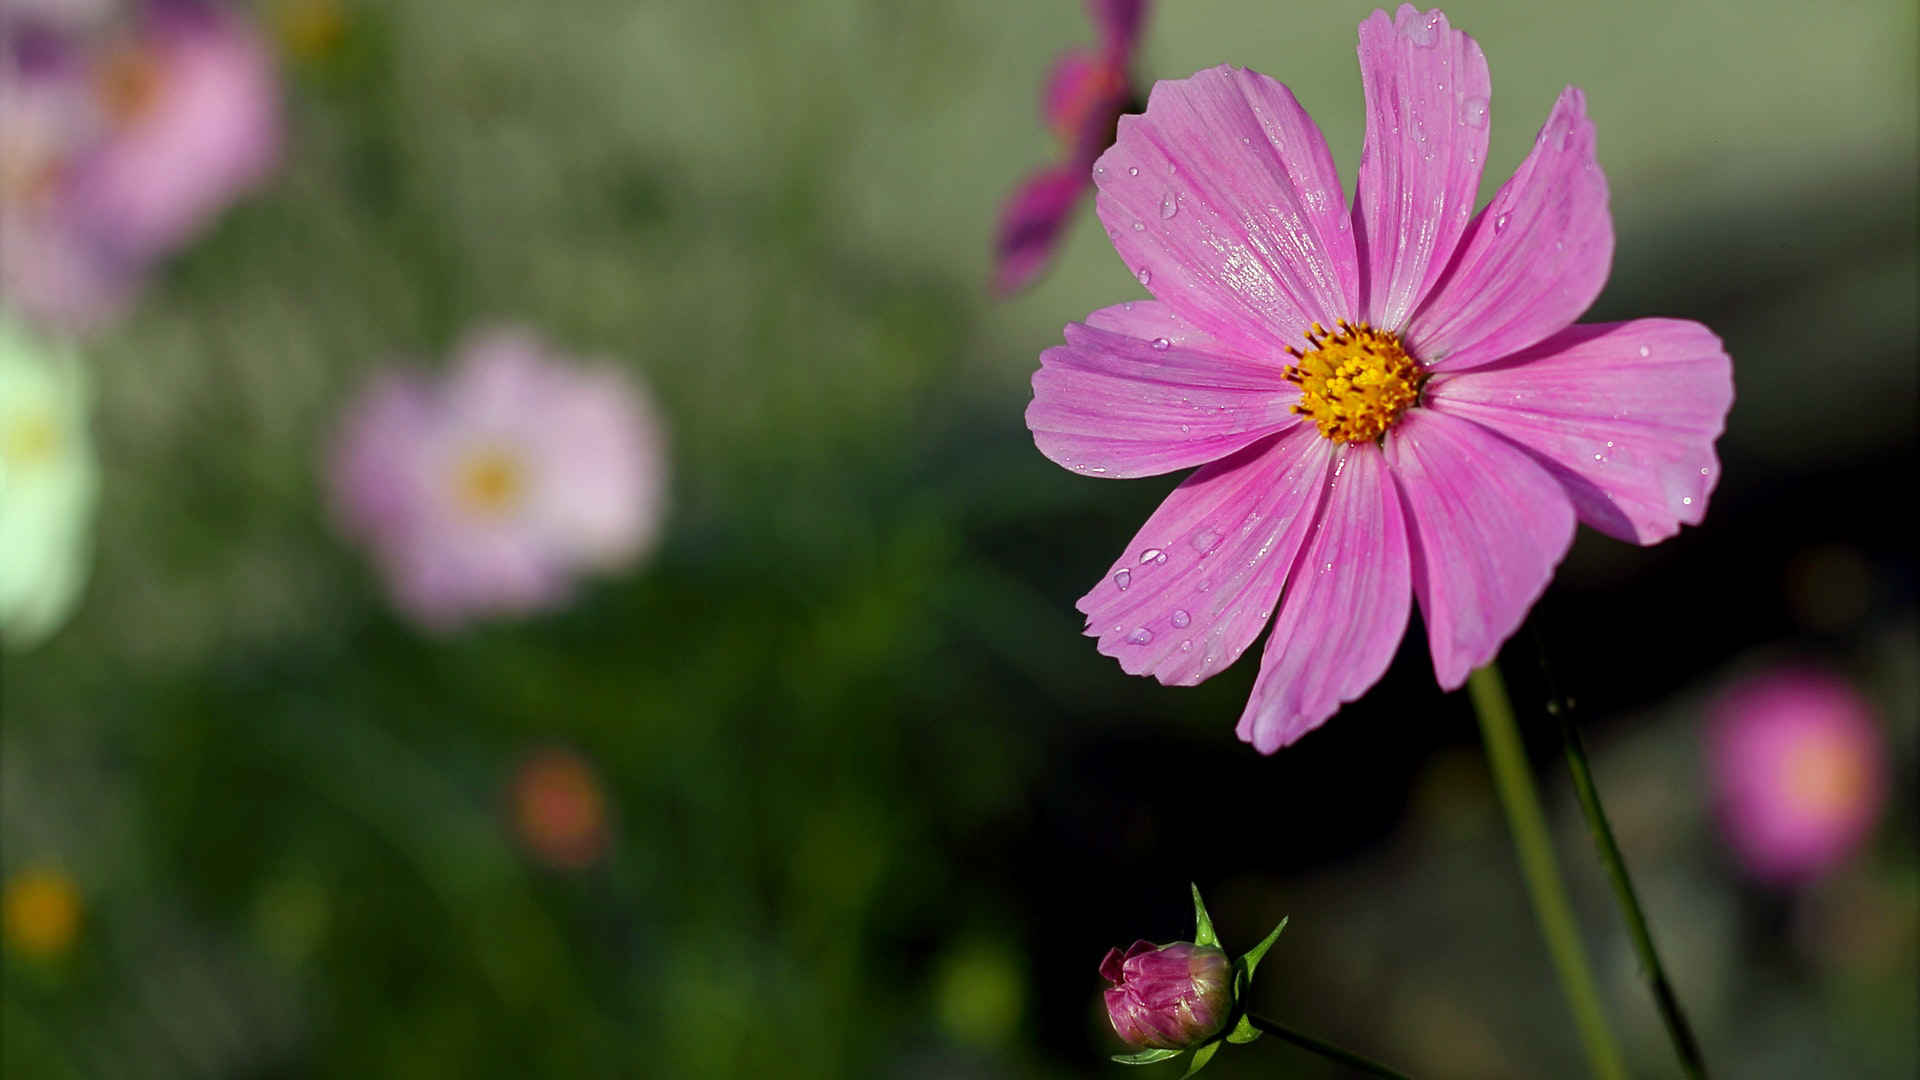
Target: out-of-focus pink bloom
1798	770
120	145
1170	997
560	810
1080	102
1440	441
489	492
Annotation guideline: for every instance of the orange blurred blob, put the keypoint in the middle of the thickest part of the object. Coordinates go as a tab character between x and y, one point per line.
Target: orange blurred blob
560	809
42	912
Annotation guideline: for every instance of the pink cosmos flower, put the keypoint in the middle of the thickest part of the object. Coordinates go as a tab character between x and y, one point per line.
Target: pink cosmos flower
122	145
1798	770
1083	97
488	493
1385	402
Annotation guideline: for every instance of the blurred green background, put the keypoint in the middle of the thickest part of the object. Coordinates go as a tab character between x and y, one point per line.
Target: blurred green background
876	808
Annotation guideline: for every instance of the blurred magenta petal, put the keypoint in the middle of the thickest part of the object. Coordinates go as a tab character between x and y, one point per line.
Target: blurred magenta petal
1081	98
1799	772
1196	585
490	491
1488	527
1344	609
1427	91
1625	414
1534	259
1110	404
1031	223
1223	201
1462	487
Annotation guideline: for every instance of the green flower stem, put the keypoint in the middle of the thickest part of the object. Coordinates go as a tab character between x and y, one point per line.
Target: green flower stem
1677	1029
1508	760
1324	1049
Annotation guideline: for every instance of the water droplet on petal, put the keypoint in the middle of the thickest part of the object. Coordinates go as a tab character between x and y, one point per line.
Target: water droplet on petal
1133	170
1123	579
1161	344
1186	646
1687	501
1499	223
1169	205
1152	555
1140	636
1181	619
1206	540
1473	112
1425	32
1137	226
1145	275
1645	352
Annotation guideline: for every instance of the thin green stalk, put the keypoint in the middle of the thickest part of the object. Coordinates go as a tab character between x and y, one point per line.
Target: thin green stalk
1508	760
1324	1049
1610	857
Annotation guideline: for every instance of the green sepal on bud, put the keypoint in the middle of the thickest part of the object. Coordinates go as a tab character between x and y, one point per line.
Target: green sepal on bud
1237	1029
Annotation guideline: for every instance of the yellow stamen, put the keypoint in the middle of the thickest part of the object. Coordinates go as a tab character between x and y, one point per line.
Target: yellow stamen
129	84
42	912
490	483
1825	777
1354	382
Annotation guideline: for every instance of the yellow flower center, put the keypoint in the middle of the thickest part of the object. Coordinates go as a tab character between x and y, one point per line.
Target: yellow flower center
42	912
1825	777
129	84
1354	382
490	483
29	440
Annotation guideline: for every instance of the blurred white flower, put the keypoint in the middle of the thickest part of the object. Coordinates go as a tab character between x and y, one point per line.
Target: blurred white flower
49	480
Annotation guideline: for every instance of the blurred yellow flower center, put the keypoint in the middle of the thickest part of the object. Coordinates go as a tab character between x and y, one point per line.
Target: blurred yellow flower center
490	483
29	439
311	29
1354	382
42	912
129	84
1824	777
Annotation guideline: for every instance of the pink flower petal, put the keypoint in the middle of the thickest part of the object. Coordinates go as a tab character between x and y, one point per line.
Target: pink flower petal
1119	23
1113	404
1488	525
1626	414
1197	583
1533	260
1427	93
1223	200
1031	223
1344	609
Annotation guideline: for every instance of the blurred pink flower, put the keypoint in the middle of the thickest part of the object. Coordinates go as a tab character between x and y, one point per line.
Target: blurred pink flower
1082	99
120	145
489	492
1440	441
1798	769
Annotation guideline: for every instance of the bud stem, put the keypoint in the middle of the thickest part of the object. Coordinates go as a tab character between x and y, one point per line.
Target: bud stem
1324	1049
1507	757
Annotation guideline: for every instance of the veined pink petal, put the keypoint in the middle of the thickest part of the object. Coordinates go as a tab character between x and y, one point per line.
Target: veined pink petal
1223	200
1031	223
1149	320
1625	414
1197	583
1533	260
1119	23
1344	608
1427	93
1488	525
1114	405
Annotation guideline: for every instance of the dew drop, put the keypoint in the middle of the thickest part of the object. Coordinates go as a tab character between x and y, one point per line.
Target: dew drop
1424	33
1138	227
1186	646
1473	112
1181	619
1140	636
1152	555
1687	501
1160	344
1206	540
1499	223
1703	470
1169	205
1133	170
1645	352
1145	275
1206	585
1123	579
1327	568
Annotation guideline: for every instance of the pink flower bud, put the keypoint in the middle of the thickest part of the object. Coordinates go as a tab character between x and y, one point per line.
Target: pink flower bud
1170	997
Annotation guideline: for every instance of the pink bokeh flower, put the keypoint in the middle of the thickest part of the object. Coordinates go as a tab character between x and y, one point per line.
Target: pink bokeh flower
122	142
1080	102
1798	769
491	491
1439	441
